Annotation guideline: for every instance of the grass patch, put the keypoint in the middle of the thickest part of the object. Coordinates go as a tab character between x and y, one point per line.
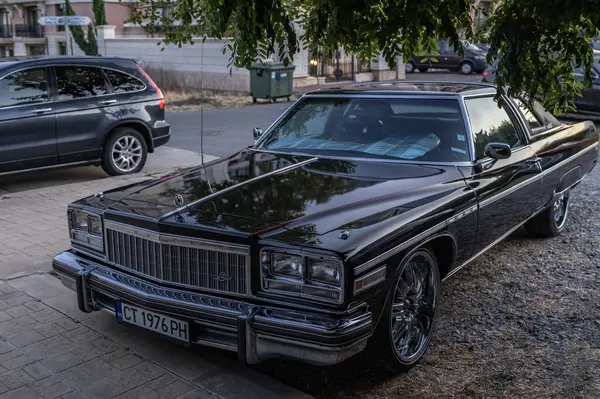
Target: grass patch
180	100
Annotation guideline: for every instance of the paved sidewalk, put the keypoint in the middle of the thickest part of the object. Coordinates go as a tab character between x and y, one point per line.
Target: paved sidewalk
49	349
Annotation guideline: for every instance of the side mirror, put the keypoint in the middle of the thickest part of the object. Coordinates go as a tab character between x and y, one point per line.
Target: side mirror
497	151
257	132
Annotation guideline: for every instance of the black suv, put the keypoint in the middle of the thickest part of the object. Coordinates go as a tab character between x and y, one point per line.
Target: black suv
67	111
473	59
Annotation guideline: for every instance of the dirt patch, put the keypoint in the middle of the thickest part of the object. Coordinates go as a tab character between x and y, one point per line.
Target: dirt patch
183	100
522	321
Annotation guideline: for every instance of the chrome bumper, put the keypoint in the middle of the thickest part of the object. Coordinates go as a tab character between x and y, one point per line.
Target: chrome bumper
255	332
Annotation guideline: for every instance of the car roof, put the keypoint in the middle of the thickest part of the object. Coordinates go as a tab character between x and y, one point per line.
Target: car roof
447	89
9	62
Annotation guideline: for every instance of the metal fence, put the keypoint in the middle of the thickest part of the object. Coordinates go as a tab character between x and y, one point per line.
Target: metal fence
339	67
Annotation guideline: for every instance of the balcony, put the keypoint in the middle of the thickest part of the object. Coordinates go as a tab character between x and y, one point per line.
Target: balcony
6	32
29	31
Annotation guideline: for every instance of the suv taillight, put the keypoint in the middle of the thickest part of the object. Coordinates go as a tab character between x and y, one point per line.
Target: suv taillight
161	97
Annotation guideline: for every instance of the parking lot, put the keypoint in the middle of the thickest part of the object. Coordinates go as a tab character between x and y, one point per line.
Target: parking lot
521	321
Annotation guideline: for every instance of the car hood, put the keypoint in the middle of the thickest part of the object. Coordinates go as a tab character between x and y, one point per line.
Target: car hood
256	193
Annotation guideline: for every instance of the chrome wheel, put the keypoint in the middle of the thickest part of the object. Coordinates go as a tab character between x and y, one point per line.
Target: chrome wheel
413	308
127	153
409	67
560	209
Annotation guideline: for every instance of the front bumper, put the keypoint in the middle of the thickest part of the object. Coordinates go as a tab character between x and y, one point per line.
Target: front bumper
255	332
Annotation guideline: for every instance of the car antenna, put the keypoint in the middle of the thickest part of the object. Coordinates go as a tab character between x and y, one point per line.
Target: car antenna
202	100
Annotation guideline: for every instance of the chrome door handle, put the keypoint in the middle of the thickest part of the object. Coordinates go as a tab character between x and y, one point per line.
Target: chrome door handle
42	110
108	102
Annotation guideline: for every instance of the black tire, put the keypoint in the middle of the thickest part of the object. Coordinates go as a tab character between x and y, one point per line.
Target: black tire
253	100
551	222
385	344
466	68
423	70
138	157
409	67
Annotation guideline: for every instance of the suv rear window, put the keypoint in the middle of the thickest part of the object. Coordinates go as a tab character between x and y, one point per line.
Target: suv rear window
122	82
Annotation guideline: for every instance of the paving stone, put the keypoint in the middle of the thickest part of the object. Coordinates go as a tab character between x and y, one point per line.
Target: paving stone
21	393
15	359
49	330
3	388
39	286
67	323
86	351
48	347
162	381
198	394
75	332
37	371
105	388
61	361
17	325
51	387
18	311
16	378
87	336
124	362
35	306
17	299
151	369
142	392
5	347
178	361
131	378
175	389
74	395
5	316
47	316
87	373
25	338
105	344
67	304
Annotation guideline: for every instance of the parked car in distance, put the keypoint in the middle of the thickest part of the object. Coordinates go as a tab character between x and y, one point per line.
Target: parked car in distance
483	46
333	232
69	111
588	104
472	60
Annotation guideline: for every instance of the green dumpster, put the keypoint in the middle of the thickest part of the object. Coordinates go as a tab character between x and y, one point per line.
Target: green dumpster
271	80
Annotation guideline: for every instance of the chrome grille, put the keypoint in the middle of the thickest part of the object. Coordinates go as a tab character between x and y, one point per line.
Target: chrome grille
205	265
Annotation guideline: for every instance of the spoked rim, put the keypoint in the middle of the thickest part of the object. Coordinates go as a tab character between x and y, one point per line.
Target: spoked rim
466	69
413	308
127	153
560	210
409	67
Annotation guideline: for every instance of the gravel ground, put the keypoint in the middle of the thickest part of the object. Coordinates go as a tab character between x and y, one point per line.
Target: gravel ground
522	321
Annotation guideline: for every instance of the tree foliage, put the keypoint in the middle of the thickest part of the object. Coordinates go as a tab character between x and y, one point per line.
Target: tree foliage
536	41
88	45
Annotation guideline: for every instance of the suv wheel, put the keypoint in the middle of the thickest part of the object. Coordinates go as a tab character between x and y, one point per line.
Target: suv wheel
125	152
409	67
466	68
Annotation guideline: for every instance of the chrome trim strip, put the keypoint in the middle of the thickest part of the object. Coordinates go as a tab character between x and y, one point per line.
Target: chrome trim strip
373	283
236	186
57	166
170	239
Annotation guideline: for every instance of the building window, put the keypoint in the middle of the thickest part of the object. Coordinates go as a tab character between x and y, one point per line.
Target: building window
62	48
36	49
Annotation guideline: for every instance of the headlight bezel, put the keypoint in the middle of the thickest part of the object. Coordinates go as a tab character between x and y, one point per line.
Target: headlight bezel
305	287
86	236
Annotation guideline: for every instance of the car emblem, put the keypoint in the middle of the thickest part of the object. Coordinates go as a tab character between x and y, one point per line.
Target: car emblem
223	277
178	201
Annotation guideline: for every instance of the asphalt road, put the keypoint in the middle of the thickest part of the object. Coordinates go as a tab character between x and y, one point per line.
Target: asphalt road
229	130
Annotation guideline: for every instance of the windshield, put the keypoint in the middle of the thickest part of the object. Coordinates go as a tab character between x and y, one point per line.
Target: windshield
431	130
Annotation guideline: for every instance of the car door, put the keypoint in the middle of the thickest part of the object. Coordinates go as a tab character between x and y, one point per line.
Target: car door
27	130
450	57
86	110
508	190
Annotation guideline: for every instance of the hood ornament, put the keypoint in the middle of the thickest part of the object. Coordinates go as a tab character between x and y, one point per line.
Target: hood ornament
178	200
344	235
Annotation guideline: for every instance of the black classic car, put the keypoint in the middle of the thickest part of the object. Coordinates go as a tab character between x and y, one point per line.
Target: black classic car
334	230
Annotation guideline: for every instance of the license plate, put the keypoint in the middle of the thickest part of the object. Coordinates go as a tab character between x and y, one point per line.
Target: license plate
165	325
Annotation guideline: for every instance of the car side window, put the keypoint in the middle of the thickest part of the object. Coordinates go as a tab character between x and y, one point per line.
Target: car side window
75	82
24	87
531	118
490	124
122	82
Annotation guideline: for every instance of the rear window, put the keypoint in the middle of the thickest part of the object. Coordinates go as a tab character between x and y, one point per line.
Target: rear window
122	82
431	130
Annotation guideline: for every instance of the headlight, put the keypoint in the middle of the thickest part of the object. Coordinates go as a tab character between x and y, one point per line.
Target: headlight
302	275
86	229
